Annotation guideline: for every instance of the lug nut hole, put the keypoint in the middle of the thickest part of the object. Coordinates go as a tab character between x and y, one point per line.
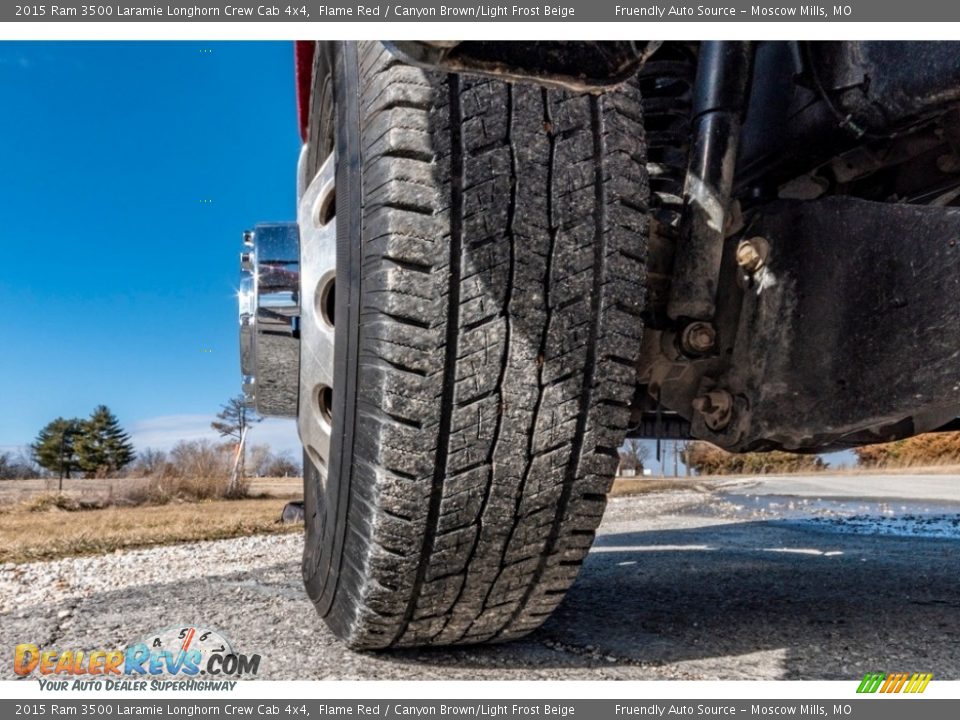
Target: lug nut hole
328	209
325	403
327	299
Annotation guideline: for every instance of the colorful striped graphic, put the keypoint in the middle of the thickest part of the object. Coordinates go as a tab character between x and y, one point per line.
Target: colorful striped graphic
895	682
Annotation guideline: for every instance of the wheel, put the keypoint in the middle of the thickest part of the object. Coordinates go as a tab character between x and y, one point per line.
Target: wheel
490	248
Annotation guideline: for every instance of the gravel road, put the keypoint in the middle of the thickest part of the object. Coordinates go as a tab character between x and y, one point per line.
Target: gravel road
727	580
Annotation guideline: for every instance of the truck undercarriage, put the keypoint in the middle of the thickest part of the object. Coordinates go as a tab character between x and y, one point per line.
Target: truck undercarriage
802	271
509	257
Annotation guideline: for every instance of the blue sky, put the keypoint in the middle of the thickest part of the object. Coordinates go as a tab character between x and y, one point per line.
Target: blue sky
117	280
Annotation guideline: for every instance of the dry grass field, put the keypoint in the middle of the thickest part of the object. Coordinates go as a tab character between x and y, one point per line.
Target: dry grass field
94	516
107	491
623	486
27	534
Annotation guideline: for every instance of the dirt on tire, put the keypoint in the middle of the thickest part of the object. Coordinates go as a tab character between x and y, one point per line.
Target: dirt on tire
503	242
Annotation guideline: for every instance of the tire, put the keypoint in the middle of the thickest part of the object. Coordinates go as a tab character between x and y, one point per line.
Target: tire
492	238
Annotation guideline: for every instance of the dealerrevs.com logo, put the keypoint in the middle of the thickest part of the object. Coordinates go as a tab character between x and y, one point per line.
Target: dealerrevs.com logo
186	657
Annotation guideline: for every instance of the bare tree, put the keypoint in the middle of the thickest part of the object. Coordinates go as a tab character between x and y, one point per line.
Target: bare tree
18	467
232	422
282	464
150	462
202	468
633	455
259	458
262	461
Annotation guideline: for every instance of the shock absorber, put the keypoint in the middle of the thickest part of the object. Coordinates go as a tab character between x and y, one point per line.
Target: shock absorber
666	86
720	96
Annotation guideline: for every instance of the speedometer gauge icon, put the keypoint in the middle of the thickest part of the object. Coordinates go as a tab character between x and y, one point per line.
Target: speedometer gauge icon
185	638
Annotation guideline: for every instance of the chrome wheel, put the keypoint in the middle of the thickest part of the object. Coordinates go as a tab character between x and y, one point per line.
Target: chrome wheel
316	217
287	299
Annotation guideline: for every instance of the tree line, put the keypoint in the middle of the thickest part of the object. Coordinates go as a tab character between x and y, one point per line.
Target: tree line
98	446
95	446
942	448
17	467
706	459
926	449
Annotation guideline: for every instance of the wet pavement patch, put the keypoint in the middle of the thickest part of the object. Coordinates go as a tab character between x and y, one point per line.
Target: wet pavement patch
862	516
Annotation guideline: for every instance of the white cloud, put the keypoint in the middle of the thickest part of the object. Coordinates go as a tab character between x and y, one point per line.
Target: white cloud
281	434
163	432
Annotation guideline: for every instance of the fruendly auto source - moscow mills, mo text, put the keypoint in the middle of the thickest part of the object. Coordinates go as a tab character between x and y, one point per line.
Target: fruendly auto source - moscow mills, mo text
754	11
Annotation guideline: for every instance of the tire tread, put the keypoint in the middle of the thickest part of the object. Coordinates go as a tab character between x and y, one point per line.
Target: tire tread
504	240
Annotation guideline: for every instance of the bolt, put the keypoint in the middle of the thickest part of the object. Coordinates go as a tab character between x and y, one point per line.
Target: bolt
716	407
949	163
248	238
698	338
750	254
246	261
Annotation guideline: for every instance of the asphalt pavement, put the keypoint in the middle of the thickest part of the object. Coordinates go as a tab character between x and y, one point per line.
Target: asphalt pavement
820	578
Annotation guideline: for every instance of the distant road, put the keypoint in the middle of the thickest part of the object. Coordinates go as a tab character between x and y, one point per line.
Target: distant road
908	487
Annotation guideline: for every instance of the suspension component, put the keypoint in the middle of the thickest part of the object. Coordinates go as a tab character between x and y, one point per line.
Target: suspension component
716	408
720	95
698	338
751	254
666	86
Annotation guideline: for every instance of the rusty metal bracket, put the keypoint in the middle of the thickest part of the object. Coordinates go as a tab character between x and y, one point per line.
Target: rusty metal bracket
849	331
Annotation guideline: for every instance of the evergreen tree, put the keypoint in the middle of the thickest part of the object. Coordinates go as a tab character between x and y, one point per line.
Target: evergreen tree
102	446
55	446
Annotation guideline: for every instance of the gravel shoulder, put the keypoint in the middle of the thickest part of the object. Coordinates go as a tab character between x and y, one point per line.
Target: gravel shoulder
683	584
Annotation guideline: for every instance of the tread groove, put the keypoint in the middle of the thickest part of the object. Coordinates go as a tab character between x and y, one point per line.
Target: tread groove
408	154
596	305
511	213
404	319
405	207
449	372
410	265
